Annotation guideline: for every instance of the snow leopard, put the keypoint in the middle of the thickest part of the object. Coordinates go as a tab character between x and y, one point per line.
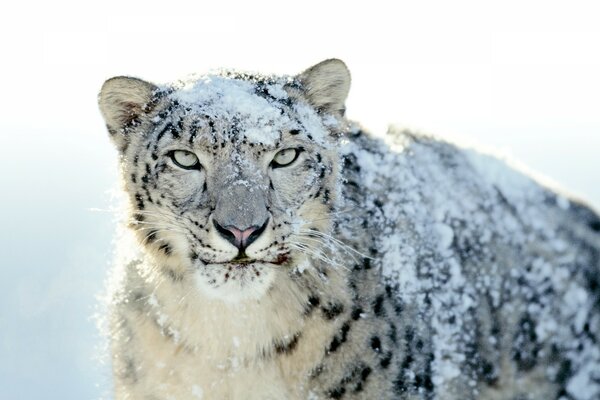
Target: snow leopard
280	251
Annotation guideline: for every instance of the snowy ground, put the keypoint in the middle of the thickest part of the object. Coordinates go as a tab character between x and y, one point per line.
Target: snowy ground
521	78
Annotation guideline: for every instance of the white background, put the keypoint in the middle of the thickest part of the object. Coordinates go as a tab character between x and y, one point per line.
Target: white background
519	76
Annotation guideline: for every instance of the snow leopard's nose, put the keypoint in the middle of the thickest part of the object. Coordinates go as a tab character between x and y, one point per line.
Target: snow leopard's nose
240	238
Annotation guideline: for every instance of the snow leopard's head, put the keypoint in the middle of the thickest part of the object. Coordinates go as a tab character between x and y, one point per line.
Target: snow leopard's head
232	177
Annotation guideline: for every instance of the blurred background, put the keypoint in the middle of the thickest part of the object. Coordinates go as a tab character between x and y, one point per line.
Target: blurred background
522	77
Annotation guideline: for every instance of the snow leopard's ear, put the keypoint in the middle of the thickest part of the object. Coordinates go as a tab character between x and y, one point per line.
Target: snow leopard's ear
123	100
326	86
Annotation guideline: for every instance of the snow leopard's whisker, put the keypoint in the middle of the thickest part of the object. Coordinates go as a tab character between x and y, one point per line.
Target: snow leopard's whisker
328	241
151	214
152	225
316	240
148	238
190	290
317	254
157	229
330	245
157	212
325	244
157	224
310	252
343	245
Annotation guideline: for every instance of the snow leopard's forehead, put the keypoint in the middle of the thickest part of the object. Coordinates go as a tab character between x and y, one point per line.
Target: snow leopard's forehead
232	105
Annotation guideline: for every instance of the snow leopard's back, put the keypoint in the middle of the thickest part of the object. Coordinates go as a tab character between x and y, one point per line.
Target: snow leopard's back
492	280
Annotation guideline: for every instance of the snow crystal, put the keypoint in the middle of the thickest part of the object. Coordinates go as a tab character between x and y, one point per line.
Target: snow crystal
161	319
445	235
302	266
197	391
152	300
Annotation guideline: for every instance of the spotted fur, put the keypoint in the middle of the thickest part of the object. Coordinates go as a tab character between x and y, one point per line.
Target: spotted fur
382	269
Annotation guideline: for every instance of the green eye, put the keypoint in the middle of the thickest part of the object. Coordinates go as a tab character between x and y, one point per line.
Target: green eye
185	159
284	158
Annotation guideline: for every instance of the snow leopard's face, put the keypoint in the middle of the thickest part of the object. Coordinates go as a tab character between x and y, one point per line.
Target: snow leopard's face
232	179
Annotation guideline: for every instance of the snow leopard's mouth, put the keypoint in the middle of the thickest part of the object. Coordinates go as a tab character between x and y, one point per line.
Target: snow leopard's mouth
241	262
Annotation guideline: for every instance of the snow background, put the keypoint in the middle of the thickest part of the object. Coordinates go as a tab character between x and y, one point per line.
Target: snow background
519	76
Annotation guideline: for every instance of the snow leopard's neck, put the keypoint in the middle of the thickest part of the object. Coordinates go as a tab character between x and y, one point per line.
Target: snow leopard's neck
299	303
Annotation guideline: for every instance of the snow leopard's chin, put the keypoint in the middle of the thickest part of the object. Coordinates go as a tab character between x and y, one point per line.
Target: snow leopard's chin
233	282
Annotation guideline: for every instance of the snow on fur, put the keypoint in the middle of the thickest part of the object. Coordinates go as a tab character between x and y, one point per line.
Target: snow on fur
459	226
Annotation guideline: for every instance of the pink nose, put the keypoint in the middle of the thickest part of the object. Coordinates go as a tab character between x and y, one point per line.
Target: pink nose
241	236
238	237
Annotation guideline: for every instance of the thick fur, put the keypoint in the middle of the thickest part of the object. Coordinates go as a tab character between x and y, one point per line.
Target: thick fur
405	268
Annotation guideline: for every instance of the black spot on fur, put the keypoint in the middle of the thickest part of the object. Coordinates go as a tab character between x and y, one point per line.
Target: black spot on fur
326	196
408	359
409	335
167	128
376	344
356	312
393	334
166	248
378	308
488	372
525	345
129	372
334	345
386	360
287	347
399	383
318	370
366	264
424	381
337	393
332	310
174	276
313	302
340	339
151	237
364	374
139	202
565	368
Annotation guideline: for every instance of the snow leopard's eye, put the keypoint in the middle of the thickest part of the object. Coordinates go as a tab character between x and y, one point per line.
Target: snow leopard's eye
185	159
285	157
